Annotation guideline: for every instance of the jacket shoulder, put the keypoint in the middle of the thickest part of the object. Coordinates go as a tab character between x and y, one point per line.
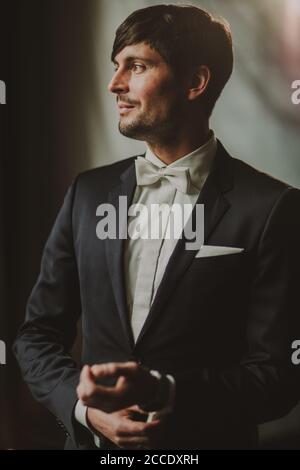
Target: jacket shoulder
254	193
102	178
257	185
112	170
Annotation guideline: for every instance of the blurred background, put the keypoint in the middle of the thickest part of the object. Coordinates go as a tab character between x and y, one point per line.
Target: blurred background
59	120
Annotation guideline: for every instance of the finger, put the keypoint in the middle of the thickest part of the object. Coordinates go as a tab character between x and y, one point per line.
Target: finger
115	369
106	399
85	373
134	407
137	408
88	390
92	394
136	414
137	428
132	442
122	383
99	396
87	379
86	384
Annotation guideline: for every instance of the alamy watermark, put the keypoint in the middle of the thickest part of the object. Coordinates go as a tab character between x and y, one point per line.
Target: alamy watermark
2	353
2	92
295	358
295	97
153	222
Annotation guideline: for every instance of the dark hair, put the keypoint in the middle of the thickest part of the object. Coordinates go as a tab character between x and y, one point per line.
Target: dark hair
185	36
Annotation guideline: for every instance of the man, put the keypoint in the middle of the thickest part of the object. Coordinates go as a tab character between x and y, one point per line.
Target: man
182	348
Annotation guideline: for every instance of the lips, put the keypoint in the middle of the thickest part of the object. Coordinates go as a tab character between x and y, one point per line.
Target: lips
125	106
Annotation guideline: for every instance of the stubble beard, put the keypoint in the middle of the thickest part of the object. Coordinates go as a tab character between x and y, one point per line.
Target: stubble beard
146	128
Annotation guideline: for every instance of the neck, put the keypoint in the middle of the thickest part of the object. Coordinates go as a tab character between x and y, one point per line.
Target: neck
182	144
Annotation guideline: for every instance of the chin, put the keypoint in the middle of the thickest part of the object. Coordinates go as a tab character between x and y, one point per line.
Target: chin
131	133
131	129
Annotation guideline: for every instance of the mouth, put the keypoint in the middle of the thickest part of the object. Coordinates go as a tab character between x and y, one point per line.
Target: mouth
125	108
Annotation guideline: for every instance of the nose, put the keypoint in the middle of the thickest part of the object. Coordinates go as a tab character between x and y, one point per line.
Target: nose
118	83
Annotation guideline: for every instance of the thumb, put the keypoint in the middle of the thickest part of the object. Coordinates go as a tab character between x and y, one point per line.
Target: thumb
87	374
115	369
121	382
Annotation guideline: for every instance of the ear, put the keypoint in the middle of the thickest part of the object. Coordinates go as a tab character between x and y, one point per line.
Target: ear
199	81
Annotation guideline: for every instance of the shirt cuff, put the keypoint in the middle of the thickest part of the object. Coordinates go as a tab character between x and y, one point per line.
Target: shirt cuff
170	403
80	413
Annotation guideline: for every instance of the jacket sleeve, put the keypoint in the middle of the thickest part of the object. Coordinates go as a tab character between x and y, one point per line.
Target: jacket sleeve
44	340
264	385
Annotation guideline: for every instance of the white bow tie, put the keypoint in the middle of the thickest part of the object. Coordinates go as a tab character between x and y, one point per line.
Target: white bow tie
147	173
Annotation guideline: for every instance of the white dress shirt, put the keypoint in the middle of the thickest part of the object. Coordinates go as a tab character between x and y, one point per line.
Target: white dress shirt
145	260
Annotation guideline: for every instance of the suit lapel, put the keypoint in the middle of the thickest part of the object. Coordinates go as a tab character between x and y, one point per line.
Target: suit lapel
215	205
115	247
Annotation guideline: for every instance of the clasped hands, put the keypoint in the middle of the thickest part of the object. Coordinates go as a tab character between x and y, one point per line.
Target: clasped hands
114	411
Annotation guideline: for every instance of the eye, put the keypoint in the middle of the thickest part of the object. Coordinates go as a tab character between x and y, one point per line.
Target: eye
137	67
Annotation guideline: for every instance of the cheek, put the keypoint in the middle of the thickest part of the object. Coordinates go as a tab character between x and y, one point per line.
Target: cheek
155	96
147	92
149	89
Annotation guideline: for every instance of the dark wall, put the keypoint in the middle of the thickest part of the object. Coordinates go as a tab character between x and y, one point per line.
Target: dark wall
44	59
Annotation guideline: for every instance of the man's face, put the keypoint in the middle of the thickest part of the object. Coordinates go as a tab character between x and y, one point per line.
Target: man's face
149	98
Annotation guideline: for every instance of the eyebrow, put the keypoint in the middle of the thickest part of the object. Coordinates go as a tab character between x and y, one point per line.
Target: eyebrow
133	58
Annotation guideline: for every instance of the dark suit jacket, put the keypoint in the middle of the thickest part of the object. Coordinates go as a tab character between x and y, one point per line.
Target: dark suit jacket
222	325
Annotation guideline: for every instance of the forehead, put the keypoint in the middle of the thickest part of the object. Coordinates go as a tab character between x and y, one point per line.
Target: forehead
138	51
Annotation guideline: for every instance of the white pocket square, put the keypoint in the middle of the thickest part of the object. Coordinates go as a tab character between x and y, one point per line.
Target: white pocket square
207	250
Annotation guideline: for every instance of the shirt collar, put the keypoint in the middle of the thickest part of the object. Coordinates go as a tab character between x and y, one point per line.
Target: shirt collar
198	162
